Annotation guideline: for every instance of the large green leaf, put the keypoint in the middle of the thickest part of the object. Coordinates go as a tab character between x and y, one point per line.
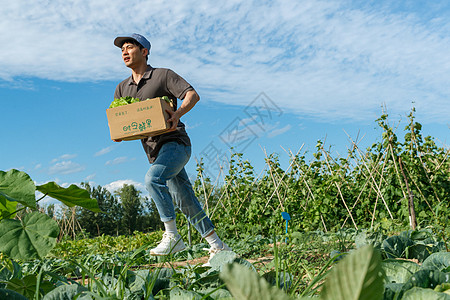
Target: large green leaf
71	196
26	286
419	251
16	186
395	246
244	283
5	275
160	277
68	292
10	269
33	237
443	288
284	279
421	235
138	280
418	293
427	278
223	258
179	294
7	208
392	291
437	261
11	295
215	293
369	238
356	277
398	271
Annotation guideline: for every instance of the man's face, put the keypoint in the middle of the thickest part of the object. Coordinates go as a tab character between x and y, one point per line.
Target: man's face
132	55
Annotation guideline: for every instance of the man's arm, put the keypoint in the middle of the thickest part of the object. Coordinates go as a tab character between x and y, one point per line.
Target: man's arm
190	99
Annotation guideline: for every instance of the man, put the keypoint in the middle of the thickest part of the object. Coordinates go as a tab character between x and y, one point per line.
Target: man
168	153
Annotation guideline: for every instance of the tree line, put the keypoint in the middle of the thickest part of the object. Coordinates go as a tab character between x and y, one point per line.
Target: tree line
123	212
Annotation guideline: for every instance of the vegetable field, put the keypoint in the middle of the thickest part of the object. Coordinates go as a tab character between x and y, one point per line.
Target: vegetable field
372	224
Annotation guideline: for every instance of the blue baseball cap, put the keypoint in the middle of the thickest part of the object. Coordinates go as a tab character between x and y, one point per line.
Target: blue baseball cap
137	37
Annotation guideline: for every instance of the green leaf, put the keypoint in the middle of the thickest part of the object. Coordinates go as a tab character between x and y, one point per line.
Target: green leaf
418	293
244	283
420	235
179	294
25	286
227	257
71	196
443	288
7	208
215	293
393	290
9	269
160	277
16	186
395	246
67	292
369	238
398	271
357	276
5	274
33	237
426	278
138	280
419	251
284	279
11	295
437	261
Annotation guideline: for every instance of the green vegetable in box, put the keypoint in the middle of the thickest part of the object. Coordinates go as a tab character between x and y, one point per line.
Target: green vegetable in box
128	100
123	101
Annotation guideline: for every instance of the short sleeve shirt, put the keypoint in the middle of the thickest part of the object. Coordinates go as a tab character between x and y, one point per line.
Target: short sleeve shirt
157	82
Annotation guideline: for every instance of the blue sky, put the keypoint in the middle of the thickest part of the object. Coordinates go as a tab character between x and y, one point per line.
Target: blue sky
323	70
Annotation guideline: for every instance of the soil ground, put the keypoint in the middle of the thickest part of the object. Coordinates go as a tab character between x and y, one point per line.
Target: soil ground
204	259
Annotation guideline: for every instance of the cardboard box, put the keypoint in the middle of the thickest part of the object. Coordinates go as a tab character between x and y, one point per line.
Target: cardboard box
139	120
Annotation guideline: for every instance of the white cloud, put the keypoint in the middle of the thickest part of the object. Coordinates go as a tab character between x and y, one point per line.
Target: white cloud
115	185
65	168
243	131
90	177
104	151
64	157
118	160
192	126
279	131
330	59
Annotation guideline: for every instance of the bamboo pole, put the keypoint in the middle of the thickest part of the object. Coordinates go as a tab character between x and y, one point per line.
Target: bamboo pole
339	190
312	195
274	182
412	212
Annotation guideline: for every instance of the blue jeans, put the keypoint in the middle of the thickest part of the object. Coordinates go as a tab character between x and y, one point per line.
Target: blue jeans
167	178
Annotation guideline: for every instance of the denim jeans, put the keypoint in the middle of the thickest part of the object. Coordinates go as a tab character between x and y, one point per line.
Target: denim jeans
167	182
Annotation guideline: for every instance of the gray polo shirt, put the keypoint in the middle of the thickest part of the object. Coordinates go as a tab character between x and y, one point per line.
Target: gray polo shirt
157	82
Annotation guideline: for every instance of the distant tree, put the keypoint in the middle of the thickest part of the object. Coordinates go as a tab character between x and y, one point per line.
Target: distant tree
105	222
149	220
50	210
131	207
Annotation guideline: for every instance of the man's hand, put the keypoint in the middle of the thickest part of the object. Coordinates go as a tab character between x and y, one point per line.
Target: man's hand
190	99
173	119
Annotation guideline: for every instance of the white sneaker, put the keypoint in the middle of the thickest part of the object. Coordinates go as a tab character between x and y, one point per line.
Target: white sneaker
213	251
170	243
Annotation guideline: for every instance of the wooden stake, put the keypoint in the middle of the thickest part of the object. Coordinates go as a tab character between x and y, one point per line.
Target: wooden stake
412	212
